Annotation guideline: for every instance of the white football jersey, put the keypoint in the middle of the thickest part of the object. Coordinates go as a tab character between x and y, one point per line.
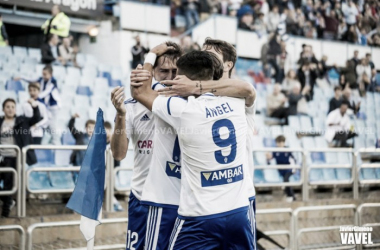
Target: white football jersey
163	183
212	134
250	115
140	129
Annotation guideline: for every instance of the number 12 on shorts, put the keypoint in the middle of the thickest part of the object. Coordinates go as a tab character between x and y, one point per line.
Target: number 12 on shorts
132	238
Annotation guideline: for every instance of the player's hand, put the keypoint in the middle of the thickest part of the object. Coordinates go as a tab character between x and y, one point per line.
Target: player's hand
16	78
76	115
161	49
117	99
139	75
179	86
33	102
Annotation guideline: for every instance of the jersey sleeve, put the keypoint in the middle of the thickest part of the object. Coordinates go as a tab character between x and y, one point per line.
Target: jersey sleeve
250	114
129	122
169	109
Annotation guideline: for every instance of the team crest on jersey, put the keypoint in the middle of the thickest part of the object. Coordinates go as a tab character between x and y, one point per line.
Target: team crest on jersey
145	118
222	176
173	170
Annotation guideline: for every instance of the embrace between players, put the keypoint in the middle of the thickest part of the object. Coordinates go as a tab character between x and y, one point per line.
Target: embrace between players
191	129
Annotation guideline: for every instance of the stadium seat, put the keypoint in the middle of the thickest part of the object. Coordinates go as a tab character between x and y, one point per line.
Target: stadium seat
360	142
91	60
272	176
14	86
35	53
90	72
62	180
87	81
39	180
371	140
72	71
81	59
320	142
44	156
107	76
367	174
71	81
329	174
315	174
308	142
6	50
67	138
84	90
318	157
116	74
259	158
269	142
305	122
294	122
20	51
81	101
7	94
116	83
276	130
104	68
59	72
258	176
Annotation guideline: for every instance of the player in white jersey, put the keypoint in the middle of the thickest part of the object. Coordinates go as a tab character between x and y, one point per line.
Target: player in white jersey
184	87
147	97
135	122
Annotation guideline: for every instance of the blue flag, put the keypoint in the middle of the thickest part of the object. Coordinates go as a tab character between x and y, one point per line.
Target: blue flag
87	198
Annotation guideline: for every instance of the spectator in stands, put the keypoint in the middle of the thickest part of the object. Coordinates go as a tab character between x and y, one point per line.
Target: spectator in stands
67	53
15	130
284	61
273	54
336	100
332	24
339	126
348	75
289	82
276	103
259	25
363	71
191	8
273	19
284	158
307	75
374	84
356	59
350	12
49	51
37	130
342	29
81	138
353	103
138	53
3	34
320	25
246	20
368	56
298	100
59	24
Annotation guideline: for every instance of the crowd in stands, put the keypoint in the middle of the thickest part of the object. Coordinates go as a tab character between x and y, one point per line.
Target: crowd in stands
353	21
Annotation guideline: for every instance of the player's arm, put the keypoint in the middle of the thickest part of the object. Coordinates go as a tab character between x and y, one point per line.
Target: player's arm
142	92
119	140
183	86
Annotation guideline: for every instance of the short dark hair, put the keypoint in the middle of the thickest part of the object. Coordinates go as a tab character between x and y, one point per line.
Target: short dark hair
90	121
173	54
368	54
344	102
337	88
280	138
218	66
107	125
34	85
226	49
197	65
8	100
48	68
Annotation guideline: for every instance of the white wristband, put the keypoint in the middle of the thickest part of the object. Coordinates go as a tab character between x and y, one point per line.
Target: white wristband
150	58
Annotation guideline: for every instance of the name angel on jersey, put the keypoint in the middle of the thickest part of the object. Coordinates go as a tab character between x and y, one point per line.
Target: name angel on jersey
145	147
222	176
218	110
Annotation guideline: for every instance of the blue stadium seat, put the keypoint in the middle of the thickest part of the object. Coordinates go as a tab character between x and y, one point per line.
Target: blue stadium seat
272	176
259	158
14	86
296	177
315	174
68	139
62	180
20	51
318	157
6	50
84	90
377	171
115	83
258	176
269	142
39	180
308	142
343	174
367	174
116	74
44	156
329	174
107	75
294	122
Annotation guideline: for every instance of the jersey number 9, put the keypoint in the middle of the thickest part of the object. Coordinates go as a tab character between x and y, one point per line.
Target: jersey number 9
230	141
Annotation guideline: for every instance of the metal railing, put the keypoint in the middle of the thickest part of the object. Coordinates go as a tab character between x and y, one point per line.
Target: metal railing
359	221
70	223
17	175
289	232
298	232
19	229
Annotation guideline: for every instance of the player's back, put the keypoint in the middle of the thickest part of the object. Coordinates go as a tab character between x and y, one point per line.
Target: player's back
213	144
